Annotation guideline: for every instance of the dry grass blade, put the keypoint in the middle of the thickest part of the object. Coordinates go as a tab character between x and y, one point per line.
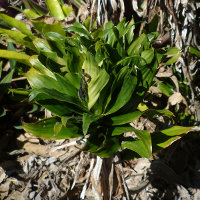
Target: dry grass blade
96	180
82	195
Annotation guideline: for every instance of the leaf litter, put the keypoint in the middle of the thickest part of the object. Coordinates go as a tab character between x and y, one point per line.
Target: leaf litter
68	173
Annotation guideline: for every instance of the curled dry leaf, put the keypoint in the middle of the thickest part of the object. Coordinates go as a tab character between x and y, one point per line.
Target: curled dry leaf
177	98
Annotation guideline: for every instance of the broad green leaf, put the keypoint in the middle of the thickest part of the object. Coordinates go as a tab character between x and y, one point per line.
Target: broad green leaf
13	55
110	37
118	130
58	39
121	26
44	47
74	79
35	62
173	59
125	93
148	56
136	44
125	118
130	28
137	146
57	128
65	119
143	146
56	107
55	9
44	28
67	10
74	103
87	120
17	24
145	77
176	130
86	23
117	83
165	89
18	38
194	51
38	80
172	51
145	137
56	27
8	78
58	83
74	59
151	36
66	87
30	13
95	86
164	138
45	129
89	26
79	29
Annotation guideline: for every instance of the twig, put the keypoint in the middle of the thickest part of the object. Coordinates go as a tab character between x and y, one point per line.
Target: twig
119	166
82	195
19	79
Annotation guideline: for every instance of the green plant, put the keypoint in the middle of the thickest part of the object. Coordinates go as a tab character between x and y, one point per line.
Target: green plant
56	8
93	83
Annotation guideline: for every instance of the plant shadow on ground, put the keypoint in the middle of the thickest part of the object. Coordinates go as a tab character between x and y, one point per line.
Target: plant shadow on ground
177	166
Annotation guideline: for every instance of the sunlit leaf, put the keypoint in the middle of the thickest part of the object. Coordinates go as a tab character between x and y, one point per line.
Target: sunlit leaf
118	130
35	62
44	47
55	9
126	118
45	129
44	28
136	44
30	13
19	38
79	29
165	89
17	24
148	56
172	51
96	86
13	55
173	59
125	93
67	10
164	138
137	146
